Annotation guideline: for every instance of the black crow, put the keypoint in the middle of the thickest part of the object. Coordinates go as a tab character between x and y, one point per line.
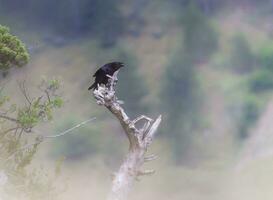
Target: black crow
101	74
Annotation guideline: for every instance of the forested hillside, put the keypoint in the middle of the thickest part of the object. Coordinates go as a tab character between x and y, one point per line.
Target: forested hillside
205	65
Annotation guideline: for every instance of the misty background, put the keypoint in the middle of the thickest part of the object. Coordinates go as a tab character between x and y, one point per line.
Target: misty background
205	65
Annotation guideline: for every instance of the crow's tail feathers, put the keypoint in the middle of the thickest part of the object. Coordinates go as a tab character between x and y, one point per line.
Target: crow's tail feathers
94	85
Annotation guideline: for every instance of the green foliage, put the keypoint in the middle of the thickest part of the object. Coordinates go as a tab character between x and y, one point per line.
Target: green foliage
180	95
250	114
265	57
12	50
261	81
3	99
17	149
250	101
181	84
102	20
40	109
181	91
200	37
208	7
57	102
53	84
242	58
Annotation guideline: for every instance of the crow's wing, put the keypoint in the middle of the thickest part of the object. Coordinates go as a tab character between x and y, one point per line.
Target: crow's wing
100	76
96	73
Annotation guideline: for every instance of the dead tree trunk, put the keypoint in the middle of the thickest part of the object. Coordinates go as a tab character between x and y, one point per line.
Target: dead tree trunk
139	140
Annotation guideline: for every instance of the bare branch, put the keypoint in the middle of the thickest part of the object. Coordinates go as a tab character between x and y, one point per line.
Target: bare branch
23	89
150	158
41	138
140	118
47	95
139	140
150	135
70	129
21	132
9	130
9	118
146	173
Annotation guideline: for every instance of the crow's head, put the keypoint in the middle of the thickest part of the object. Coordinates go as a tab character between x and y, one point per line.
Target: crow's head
116	65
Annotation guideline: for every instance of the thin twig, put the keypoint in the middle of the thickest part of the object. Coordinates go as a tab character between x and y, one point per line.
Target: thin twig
9	130
41	138
21	149
150	158
9	118
48	97
146	172
20	134
70	129
24	91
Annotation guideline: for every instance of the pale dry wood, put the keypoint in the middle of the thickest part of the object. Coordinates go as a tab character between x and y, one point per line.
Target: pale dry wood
139	140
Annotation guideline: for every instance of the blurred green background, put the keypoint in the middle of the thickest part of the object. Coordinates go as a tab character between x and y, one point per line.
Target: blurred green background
205	65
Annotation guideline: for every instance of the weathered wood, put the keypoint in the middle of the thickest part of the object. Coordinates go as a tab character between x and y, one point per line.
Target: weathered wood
139	140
